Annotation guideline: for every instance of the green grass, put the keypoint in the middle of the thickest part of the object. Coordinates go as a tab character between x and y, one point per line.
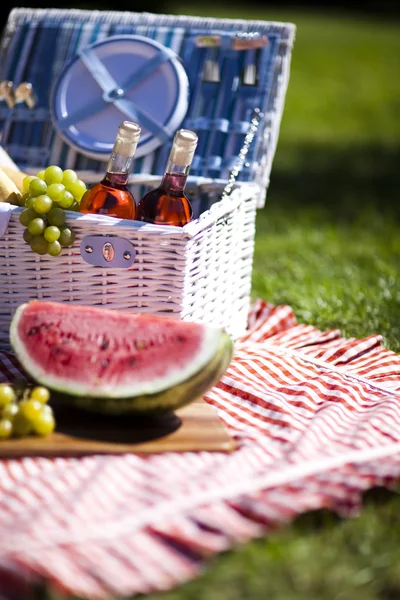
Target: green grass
328	244
318	557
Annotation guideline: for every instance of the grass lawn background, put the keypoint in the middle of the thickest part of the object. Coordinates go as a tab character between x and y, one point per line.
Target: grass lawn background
328	244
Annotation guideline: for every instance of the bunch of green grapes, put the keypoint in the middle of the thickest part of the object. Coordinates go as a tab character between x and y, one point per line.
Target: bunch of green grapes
45	197
25	412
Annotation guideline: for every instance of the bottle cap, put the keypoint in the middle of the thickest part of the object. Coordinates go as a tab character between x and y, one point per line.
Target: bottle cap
183	148
127	138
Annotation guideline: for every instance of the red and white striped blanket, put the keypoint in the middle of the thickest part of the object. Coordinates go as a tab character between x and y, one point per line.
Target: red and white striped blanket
316	418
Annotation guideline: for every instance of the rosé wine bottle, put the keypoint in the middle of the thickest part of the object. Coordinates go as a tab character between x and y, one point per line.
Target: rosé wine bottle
111	196
168	204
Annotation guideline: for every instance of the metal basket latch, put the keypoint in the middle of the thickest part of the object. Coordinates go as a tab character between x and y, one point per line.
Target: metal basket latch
107	251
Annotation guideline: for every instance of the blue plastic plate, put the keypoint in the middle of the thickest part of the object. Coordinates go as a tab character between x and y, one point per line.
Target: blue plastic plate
124	77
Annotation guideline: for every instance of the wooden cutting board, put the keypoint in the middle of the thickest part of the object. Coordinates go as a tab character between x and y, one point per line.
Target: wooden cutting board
193	427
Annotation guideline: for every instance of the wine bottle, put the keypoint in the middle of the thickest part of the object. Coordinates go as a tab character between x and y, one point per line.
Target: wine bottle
168	204
111	196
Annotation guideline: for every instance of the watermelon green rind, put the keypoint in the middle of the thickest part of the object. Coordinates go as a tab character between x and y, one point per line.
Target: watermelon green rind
167	400
35	364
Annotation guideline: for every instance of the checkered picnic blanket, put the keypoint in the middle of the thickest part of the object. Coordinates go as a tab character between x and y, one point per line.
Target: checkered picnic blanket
316	418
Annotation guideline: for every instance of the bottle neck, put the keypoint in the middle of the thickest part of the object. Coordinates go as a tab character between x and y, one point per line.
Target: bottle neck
175	177
118	168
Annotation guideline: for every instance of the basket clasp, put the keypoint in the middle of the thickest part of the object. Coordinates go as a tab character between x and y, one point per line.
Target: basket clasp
107	251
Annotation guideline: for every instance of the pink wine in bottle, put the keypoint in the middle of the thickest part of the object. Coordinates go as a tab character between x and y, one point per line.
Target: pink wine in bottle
168	204
111	196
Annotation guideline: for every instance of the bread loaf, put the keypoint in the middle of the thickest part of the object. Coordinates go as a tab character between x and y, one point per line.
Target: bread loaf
16	176
8	190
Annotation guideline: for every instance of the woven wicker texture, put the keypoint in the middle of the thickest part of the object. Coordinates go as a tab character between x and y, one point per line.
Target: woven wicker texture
200	272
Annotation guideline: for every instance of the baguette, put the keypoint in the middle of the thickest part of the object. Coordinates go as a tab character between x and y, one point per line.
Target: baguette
8	190
16	176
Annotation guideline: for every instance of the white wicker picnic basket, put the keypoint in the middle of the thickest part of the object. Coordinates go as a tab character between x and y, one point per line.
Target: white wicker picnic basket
199	272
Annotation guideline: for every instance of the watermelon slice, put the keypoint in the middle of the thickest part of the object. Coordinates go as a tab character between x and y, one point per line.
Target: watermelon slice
116	362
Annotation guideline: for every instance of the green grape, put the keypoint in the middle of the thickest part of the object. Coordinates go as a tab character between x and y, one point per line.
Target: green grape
21	425
42	204
52	233
26	183
65	200
53	174
39	245
27	216
6	428
68	177
44	423
10	411
56	217
30	409
7	394
75	206
46	228
36	226
55	190
67	237
23	199
77	189
37	187
54	248
27	236
46	409
41	394
30	201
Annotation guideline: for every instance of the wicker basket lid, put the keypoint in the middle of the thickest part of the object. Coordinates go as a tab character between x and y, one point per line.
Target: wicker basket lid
227	80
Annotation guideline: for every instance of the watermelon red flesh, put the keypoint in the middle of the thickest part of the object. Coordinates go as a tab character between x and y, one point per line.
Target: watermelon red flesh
99	352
